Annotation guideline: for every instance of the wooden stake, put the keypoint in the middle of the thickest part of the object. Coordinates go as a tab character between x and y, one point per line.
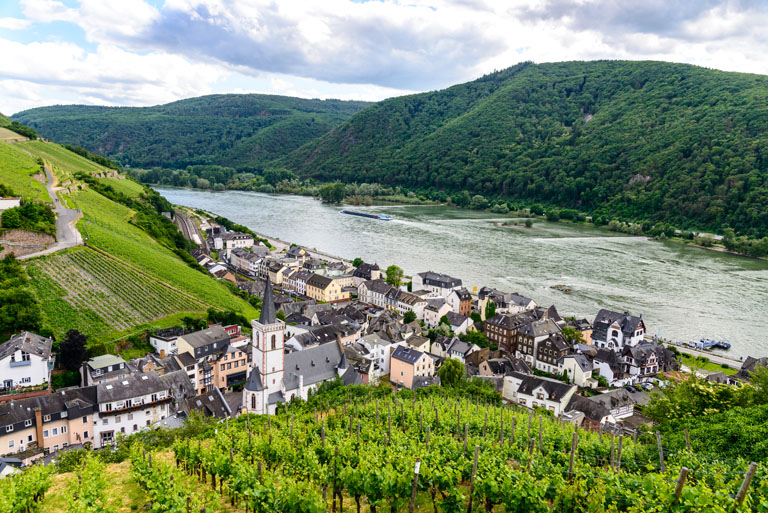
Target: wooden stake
415	484
680	483
618	457
322	432
466	434
512	433
687	440
427	437
742	493
472	480
574	445
541	438
661	452
530	454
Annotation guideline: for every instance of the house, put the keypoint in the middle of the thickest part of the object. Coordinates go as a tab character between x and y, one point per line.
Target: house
232	240
381	348
9	466
339	268
104	368
276	377
419	343
48	423
407	302
615	330
460	323
245	261
206	347
595	414
460	350
460	301
135	402
164	341
609	366
366	272
584	327
749	366
549	351
439	285
275	271
209	404
503	328
503	367
619	403
578	368
329	289
298	253
647	359
229	368
529	336
408	363
25	361
363	363
505	302
537	392
6	203
435	310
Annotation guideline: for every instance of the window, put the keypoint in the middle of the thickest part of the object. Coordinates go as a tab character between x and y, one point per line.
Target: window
130	416
55	432
63	429
135	427
55	447
117	419
29	438
154	398
65	444
85	434
253	401
223	366
10	444
274	341
229	366
63	415
85	419
8	429
147	422
147	413
105	422
46	418
122	430
45	433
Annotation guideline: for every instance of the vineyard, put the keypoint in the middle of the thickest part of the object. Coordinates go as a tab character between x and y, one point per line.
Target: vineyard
117	295
23	492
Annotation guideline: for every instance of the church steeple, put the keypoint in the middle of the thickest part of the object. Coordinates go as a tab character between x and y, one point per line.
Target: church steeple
268	315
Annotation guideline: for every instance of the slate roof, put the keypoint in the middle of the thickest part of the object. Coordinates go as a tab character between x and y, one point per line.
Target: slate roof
463	294
456	319
593	410
750	365
605	318
351	377
28	342
210	404
364	271
134	385
77	402
555	390
505	366
169	334
207	336
580	359
458	346
268	315
510	322
319	281
378	286
253	383
614	399
406	354
540	328
315	364
105	360
439	280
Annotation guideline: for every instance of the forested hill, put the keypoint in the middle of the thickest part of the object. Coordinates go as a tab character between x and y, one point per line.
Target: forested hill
643	140
242	131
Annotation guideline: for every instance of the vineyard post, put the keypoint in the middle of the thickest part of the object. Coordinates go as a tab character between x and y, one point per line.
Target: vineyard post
512	433
680	483
466	434
377	411
458	423
485	424
402	416
333	492
421	421
358	430
389	426
530	454
415	484
428	431
188	499
291	433
574	445
315	414
618	457
350	424
530	423
687	440
472	480
231	455
601	434
259	471
322	432
501	430
541	438
437	419
661	451
742	493
613	452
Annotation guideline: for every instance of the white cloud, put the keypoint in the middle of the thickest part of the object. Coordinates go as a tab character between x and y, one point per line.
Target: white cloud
14	23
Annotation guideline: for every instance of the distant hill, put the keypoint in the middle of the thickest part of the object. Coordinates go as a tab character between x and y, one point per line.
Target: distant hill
642	140
237	130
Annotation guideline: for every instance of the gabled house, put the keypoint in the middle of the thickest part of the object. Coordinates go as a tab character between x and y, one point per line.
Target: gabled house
578	368
614	330
595	413
25	361
537	392
505	302
503	367
104	368
503	328
529	336
434	311
366	272
609	366
164	341
232	240
298	253
619	403
439	285
549	351
459	323
381	349
407	364
460	301
647	359
245	261
460	350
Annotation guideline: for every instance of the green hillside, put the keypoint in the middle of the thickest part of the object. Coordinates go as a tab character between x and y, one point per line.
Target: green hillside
131	277
242	131
641	140
20	171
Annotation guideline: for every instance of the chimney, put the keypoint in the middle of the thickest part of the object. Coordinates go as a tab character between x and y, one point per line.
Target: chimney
39	427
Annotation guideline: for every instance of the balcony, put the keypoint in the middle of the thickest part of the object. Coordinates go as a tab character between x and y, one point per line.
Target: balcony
21	363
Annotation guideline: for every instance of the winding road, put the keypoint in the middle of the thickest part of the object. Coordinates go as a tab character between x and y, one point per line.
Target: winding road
67	235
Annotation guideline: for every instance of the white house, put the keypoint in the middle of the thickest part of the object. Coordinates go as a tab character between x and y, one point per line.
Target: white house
440	285
6	203
619	402
232	240
435	311
460	350
164	341
25	361
578	369
613	330
459	323
381	348
537	392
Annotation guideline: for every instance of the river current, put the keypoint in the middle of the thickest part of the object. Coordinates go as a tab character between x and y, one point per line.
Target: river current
683	293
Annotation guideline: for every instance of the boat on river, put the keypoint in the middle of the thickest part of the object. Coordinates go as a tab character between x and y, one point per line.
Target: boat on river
380	217
706	344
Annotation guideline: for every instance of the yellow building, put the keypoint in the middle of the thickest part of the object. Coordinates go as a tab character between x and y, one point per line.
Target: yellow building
329	289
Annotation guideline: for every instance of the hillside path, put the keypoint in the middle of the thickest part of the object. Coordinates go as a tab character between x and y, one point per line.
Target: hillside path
67	235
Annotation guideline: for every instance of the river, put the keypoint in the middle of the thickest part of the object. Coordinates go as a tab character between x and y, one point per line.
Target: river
683	293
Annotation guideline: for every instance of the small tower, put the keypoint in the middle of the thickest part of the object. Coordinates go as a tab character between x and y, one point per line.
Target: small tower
268	343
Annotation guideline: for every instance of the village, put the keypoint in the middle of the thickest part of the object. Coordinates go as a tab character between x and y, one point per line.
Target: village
325	319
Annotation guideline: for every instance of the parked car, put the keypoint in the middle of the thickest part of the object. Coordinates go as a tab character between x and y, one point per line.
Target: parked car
648	386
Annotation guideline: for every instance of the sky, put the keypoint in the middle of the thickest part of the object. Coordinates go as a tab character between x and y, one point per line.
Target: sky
149	52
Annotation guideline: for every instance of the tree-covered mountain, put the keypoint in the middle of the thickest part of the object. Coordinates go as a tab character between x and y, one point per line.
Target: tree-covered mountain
242	131
640	140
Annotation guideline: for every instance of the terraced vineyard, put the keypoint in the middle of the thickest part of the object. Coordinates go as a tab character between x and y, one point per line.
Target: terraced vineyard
118	295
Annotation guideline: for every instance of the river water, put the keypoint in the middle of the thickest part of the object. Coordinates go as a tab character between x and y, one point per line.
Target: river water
683	293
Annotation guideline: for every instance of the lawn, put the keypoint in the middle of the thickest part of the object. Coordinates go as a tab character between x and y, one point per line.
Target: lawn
692	361
16	170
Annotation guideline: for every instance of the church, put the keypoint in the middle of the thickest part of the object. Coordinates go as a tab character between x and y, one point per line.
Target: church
277	376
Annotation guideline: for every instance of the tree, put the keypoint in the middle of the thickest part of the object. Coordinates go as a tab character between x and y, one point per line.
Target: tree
394	275
451	372
357	262
332	192
490	310
281	316
528	223
476	317
573	335
444	320
478	202
409	316
72	350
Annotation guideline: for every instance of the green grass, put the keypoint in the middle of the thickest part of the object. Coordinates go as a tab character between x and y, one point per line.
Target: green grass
126	186
692	361
16	170
6	135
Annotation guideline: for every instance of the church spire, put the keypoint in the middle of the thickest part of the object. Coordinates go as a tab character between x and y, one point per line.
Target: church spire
268	315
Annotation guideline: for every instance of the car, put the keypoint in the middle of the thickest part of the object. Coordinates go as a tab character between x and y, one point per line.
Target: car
648	386
629	388
638	388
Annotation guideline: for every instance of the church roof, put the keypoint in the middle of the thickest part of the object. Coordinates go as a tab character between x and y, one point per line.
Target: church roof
254	381
268	315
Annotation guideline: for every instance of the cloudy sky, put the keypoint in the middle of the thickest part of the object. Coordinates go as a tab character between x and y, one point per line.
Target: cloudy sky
146	52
